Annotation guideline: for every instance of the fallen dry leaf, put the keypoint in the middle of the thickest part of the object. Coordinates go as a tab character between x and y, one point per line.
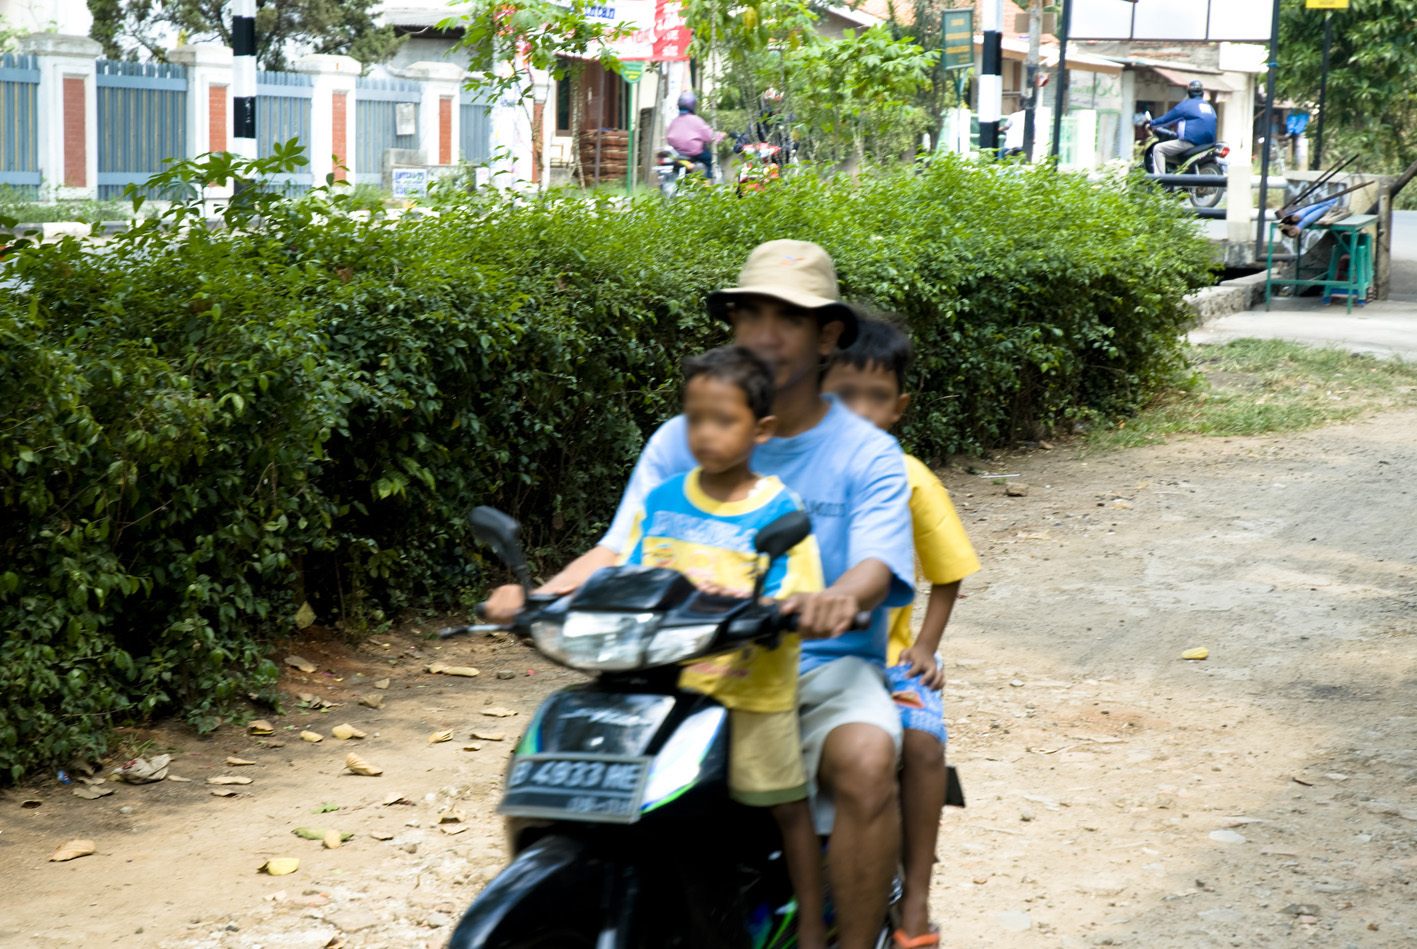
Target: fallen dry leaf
233	760
173	777
1200	653
304	665
395	798
498	711
332	840
451	817
336	942
304	616
260	727
440	736
488	736
382	684
472	747
372	701
223	793
308	735
90	793
227	779
346	731
318	833
381	835
358	765
30	803
306	697
437	667
467	671
280	866
74	848
452	828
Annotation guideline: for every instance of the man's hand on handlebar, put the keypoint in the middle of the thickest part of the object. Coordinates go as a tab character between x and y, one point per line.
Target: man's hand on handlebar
821	615
506	601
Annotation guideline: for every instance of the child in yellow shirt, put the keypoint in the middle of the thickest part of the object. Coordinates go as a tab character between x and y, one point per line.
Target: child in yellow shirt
869	378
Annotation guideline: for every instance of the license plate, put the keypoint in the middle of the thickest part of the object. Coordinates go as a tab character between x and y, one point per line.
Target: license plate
577	787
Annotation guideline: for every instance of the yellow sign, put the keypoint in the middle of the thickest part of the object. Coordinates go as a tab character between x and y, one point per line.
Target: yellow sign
1326	4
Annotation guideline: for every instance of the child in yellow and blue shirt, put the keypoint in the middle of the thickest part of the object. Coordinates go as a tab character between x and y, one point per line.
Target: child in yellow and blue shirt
702	523
869	378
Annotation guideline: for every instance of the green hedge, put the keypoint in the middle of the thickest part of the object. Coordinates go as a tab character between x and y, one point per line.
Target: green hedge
206	427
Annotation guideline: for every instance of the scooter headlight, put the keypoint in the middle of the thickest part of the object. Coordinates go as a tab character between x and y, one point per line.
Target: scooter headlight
608	641
675	643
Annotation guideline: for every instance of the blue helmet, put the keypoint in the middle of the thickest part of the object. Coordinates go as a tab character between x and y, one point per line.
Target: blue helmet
688	102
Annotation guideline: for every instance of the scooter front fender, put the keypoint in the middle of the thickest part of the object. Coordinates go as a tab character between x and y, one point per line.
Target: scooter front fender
552	872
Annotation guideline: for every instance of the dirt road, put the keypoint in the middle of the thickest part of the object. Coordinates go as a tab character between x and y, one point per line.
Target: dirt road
1118	795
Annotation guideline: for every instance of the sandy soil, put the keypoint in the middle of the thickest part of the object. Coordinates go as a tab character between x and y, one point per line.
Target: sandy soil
1118	795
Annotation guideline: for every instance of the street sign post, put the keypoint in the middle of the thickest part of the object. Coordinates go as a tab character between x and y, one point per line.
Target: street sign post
957	57
632	72
1328	6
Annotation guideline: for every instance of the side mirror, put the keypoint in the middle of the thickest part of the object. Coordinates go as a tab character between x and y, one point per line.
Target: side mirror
502	533
783	534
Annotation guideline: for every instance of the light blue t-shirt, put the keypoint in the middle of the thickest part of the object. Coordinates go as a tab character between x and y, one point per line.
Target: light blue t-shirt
851	477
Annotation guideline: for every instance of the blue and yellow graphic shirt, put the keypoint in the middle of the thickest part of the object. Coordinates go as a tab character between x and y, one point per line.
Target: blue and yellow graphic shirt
711	543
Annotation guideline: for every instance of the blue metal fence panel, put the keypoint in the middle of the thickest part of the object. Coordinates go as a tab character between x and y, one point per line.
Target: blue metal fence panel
142	122
19	132
476	132
283	113
376	123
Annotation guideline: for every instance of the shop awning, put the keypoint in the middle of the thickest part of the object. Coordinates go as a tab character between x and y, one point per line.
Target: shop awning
1183	77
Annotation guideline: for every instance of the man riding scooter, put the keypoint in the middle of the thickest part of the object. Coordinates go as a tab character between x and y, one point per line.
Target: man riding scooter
690	135
1195	125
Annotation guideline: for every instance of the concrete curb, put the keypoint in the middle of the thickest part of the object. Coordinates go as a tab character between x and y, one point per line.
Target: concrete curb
1227	297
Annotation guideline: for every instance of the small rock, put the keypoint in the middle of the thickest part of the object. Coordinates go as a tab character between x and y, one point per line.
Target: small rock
506	674
1046	446
1014	922
1016	490
296	662
1227	837
1027	814
1016	683
438	920
1226	916
1300	909
353	920
410	847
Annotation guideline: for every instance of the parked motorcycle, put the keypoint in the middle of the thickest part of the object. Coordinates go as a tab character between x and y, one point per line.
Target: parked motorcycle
1200	160
673	168
616	797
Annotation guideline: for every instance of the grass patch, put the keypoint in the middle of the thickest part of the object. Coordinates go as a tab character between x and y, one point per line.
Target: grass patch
15	204
1259	386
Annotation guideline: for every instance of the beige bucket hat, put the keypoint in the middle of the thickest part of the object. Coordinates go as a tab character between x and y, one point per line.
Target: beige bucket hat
799	273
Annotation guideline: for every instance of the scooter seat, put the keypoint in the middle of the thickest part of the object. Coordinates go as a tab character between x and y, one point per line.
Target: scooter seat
1192	152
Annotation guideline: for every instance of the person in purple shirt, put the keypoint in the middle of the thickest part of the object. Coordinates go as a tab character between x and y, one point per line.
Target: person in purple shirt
690	135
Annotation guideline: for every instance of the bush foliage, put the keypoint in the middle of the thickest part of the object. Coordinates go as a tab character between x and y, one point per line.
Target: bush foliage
205	428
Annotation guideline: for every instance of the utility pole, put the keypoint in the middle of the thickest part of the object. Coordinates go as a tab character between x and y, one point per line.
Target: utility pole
991	77
1316	162
243	79
1061	78
1030	101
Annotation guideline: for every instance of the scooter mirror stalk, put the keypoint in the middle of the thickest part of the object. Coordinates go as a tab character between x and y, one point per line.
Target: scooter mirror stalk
777	538
502	533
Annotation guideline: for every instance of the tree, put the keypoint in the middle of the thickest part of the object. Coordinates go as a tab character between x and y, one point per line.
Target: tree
1370	106
129	29
848	97
515	40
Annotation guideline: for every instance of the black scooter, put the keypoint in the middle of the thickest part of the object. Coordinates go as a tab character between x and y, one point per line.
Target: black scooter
616	797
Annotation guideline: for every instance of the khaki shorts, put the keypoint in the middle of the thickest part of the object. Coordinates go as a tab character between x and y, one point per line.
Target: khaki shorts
844	691
765	758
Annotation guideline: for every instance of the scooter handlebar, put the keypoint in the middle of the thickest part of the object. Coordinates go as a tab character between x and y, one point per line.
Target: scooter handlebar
860	623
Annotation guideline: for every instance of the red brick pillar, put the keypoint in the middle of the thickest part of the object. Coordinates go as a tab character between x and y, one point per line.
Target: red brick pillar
216	117
339	133
445	130
76	154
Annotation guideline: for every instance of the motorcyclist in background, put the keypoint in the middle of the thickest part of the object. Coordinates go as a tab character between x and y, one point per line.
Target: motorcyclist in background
1195	125
690	135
